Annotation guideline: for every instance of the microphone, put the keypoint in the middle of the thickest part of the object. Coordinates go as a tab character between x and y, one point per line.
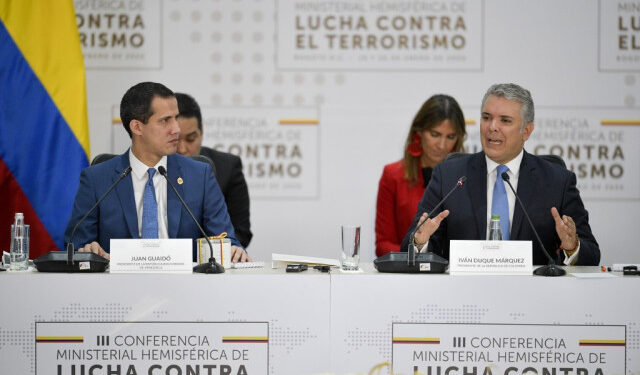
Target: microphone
212	266
54	260
551	269
411	251
409	262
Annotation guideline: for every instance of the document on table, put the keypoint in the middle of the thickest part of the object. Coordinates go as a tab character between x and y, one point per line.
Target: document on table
281	260
593	275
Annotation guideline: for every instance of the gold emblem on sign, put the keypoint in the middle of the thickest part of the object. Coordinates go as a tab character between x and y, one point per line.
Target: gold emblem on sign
180	181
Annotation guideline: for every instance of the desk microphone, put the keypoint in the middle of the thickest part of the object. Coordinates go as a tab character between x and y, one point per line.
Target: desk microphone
54	260
212	266
551	269
411	251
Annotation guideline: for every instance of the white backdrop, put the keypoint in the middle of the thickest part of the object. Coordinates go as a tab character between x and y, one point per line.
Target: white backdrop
347	108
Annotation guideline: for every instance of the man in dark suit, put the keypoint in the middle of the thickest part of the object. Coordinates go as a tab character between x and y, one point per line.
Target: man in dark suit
142	206
228	167
547	190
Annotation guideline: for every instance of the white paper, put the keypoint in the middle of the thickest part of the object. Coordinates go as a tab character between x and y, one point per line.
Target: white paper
593	275
281	260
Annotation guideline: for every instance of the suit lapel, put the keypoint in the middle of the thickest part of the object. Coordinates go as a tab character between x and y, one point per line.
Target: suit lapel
125	195
478	175
526	180
174	207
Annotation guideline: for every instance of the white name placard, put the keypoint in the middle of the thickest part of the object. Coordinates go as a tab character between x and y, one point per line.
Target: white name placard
167	255
491	257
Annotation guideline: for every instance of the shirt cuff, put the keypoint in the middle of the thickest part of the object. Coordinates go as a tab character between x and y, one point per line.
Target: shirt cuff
422	249
571	260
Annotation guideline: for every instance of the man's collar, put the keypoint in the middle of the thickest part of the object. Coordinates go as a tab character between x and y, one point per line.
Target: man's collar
513	165
139	169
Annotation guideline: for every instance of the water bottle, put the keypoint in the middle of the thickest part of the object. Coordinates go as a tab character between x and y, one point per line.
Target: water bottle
19	243
495	233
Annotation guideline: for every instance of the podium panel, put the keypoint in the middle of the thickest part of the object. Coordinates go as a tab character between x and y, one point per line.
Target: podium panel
265	322
437	324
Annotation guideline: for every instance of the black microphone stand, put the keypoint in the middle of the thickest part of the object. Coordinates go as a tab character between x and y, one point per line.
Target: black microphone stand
551	269
411	251
54	262
412	262
212	266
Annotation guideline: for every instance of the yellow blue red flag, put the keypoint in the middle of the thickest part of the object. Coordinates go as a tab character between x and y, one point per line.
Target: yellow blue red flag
44	136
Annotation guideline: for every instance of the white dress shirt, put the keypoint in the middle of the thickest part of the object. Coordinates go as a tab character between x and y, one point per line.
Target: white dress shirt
139	178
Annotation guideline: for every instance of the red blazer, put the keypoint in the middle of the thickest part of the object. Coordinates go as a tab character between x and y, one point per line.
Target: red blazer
396	206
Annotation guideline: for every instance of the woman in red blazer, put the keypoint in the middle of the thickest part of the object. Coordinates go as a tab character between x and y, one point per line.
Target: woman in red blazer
437	129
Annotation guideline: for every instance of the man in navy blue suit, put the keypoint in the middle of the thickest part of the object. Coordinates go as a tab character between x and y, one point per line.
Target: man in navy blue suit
142	205
547	190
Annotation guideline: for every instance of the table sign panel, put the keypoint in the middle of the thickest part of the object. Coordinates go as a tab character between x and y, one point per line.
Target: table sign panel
167	255
152	347
491	257
508	348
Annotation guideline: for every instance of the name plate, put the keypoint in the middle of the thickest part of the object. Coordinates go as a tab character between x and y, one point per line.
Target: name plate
491	257
167	255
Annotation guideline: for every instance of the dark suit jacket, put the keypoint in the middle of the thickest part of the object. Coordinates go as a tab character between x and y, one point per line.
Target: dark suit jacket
234	187
116	216
541	185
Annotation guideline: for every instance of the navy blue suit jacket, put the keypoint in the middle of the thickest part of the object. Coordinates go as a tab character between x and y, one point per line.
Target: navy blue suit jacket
116	216
541	185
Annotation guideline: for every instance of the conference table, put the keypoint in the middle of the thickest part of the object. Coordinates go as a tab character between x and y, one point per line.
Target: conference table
267	321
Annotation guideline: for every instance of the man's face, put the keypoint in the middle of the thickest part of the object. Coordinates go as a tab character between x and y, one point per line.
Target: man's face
502	134
190	136
159	136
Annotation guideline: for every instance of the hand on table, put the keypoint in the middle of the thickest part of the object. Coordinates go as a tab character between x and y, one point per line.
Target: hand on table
95	248
239	255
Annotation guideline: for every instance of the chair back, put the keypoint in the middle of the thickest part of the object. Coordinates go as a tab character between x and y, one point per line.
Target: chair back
101	158
205	159
553	159
201	158
550	158
454	155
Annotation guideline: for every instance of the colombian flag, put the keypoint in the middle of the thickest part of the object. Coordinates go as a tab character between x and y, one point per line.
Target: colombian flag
44	137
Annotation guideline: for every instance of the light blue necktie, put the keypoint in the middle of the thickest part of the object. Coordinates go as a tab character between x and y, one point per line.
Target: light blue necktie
149	209
500	204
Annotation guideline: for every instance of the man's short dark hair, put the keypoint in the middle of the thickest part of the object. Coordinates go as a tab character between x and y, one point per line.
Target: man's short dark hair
136	102
188	107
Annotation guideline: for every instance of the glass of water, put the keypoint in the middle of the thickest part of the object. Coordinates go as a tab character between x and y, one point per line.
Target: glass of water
350	247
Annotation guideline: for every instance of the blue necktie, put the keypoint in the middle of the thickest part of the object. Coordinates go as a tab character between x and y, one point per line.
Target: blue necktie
149	209
500	204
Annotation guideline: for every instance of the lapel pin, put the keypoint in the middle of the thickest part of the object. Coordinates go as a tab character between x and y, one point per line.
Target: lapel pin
180	181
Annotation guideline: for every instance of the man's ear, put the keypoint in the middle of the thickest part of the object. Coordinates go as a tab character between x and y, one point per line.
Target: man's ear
527	130
136	127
